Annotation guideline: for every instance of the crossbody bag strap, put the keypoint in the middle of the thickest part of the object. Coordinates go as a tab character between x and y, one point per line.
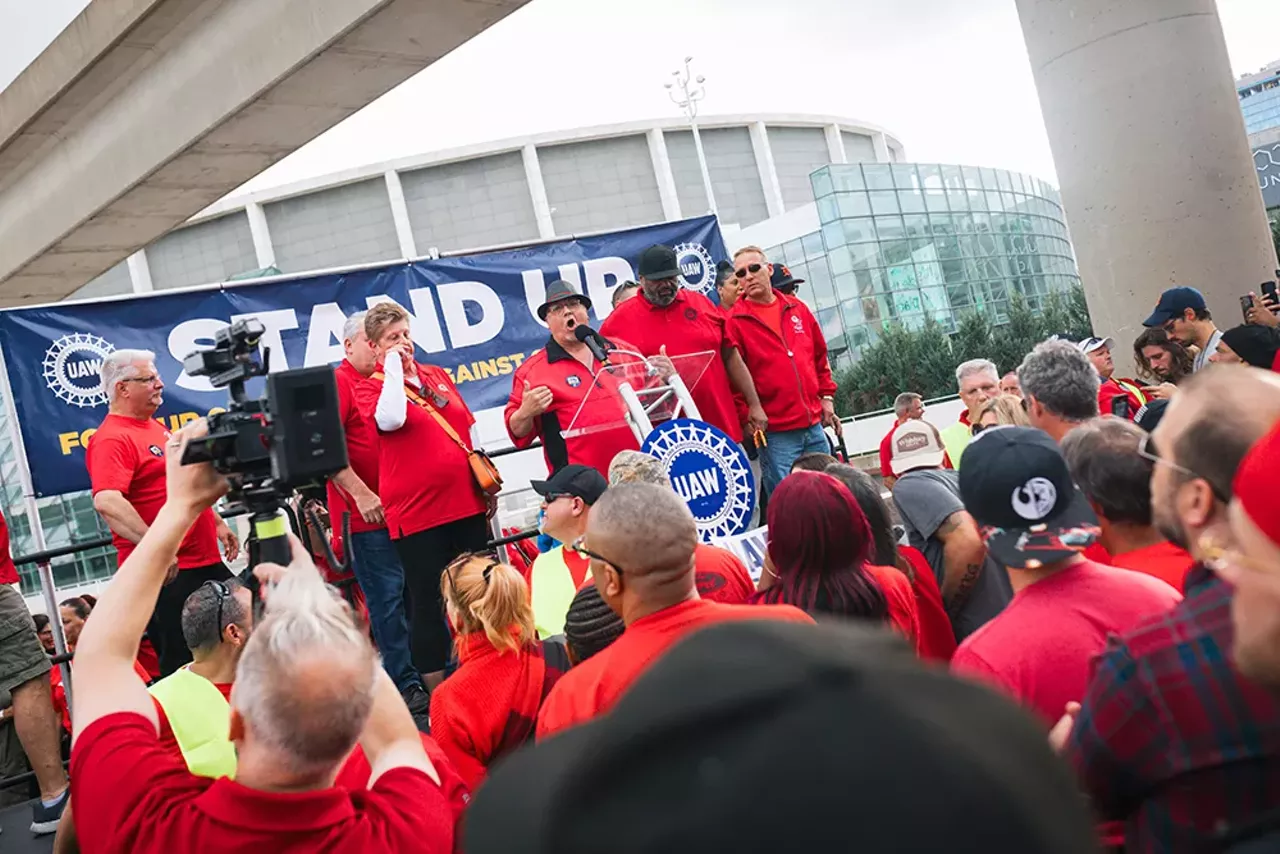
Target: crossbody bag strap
412	393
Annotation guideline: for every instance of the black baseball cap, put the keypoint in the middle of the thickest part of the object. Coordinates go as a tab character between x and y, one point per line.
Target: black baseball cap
761	736
1016	485
1173	303
782	280
658	262
581	481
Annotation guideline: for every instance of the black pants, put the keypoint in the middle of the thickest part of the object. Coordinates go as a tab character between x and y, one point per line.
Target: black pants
165	628
424	556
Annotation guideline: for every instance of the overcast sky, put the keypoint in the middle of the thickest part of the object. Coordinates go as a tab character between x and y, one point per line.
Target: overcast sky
950	78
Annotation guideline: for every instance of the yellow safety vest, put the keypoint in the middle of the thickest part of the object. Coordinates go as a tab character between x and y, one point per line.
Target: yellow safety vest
955	439
1134	390
201	720
552	592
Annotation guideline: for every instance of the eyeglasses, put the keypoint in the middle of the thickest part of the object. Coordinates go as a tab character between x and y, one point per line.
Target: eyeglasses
579	548
565	306
151	380
222	592
1148	451
751	269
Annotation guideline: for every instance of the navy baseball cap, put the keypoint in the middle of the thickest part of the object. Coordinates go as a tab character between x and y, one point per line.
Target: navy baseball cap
782	280
580	481
1173	303
1016	485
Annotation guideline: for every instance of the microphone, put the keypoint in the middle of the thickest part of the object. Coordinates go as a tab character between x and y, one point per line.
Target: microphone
594	342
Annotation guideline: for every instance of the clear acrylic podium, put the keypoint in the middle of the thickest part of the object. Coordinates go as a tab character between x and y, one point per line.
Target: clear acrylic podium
635	392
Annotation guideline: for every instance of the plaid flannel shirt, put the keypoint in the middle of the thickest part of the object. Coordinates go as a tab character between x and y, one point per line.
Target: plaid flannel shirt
1171	739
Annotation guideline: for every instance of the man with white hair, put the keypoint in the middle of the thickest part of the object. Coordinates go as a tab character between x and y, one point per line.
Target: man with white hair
125	458
979	381
375	562
308	687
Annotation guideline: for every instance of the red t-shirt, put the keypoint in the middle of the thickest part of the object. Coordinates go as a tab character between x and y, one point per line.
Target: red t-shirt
168	740
1040	647
127	455
8	572
771	313
595	685
424	478
901	600
690	324
133	795
362	450
937	636
721	576
1164	561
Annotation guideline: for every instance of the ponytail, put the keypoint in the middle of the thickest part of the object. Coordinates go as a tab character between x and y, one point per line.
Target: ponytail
491	597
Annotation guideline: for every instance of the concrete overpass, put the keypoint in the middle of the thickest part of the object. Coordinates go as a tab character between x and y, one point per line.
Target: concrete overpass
144	112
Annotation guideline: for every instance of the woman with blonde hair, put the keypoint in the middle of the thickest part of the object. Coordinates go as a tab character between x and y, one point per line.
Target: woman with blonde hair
1004	410
489	706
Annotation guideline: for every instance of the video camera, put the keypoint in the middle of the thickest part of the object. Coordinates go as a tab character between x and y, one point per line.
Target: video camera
290	438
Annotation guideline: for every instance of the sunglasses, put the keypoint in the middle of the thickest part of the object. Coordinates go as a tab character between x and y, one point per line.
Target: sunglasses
750	269
579	548
222	593
1148	451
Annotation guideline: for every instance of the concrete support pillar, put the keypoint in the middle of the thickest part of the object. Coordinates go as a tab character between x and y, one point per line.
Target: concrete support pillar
400	214
768	172
263	248
140	272
880	144
835	144
538	190
662	171
1157	179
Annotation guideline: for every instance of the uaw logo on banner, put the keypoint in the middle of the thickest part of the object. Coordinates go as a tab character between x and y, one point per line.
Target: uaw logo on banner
73	369
709	471
697	268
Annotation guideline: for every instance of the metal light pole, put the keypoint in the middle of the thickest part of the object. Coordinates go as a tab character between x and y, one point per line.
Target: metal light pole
690	92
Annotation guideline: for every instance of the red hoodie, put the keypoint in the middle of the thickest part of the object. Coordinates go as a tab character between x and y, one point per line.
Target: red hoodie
790	370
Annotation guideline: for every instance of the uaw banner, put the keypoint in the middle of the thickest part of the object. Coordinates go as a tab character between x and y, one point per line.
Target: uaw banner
473	315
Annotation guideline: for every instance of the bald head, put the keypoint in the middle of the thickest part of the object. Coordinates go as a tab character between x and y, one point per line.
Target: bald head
1216	417
647	531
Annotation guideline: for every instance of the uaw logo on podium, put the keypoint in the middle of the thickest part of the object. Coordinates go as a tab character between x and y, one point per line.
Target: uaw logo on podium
707	469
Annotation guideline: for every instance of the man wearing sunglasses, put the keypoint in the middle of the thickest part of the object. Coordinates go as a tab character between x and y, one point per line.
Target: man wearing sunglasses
668	320
554	579
125	458
1170	737
786	352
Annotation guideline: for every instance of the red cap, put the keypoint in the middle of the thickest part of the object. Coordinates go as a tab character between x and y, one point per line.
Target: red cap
1254	486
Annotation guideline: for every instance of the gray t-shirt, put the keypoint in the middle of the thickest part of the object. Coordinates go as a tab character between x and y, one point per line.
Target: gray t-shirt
925	499
1210	347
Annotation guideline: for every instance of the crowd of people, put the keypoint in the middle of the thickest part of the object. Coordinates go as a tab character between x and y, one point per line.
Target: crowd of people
1053	624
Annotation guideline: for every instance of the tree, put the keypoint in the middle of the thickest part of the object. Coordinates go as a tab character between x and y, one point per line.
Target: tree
924	360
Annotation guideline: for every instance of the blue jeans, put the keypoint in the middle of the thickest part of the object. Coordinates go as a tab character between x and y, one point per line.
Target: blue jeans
376	565
784	448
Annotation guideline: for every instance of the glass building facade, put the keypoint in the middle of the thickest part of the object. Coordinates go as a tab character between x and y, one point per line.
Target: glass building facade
1260	100
905	242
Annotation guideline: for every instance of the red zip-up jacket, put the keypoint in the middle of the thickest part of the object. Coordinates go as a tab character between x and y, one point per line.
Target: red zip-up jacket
791	372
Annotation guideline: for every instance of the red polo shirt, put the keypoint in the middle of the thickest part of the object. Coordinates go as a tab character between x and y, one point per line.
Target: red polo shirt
8	572
591	688
362	450
127	455
691	324
132	795
569	381
1164	560
424	478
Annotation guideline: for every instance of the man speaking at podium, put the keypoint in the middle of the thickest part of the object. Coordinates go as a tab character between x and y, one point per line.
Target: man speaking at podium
549	387
684	322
